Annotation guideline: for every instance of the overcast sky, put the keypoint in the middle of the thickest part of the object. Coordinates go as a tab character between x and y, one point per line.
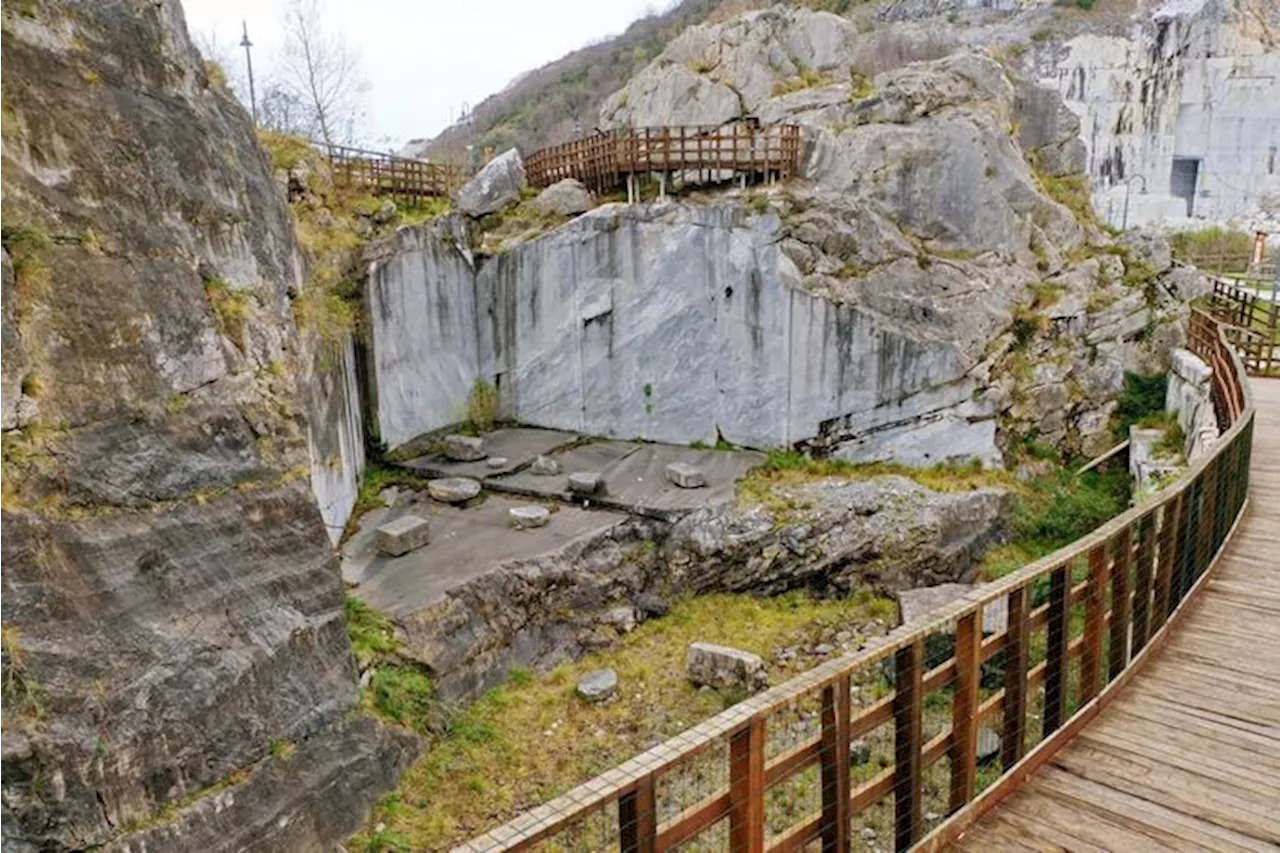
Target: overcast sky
424	59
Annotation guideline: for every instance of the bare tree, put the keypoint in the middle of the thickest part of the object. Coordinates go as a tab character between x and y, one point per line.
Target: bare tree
321	72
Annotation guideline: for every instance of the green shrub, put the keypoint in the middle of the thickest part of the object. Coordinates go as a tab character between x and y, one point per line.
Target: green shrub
401	695
1214	248
372	634
1143	396
1062	509
482	406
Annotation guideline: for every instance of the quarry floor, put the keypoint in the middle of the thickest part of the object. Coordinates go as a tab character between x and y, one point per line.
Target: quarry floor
469	540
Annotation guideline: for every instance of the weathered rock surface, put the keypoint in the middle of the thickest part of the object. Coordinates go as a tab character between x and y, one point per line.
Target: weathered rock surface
1150	464
169	587
404	534
566	198
544	466
494	186
1190	398
711	665
888	533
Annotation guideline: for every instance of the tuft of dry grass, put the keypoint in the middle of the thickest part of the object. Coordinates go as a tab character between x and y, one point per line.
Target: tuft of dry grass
231	309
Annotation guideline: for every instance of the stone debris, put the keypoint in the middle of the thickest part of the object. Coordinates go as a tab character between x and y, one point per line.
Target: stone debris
686	476
652	606
405	534
464	448
496	461
585	482
599	685
544	466
567	198
712	665
453	490
988	744
525	517
623	618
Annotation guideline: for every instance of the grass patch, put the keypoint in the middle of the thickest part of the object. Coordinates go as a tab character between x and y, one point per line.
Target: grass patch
378	477
861	85
286	150
1070	191
482	406
1143	396
806	79
231	309
372	634
27	246
401	695
1214	248
283	750
533	739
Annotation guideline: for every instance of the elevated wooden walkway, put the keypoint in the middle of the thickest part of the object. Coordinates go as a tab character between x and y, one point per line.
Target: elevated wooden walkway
1187	757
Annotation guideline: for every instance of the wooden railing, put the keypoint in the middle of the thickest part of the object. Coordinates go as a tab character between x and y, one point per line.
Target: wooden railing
603	161
779	771
381	174
1253	322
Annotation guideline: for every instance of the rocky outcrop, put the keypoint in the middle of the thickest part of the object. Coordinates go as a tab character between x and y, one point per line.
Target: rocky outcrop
171	603
835	536
565	198
495	186
830	535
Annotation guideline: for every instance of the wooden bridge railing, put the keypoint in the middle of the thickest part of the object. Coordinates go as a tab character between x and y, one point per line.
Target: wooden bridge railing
897	739
603	161
1253	322
379	173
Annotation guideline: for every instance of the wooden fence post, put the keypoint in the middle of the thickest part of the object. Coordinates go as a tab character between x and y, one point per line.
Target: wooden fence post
1142	581
964	709
835	765
1013	732
746	788
1120	609
638	818
1055	667
1094	610
908	808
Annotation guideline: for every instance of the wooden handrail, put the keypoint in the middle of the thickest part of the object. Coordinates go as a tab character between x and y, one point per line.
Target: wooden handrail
1252	325
603	161
1129	576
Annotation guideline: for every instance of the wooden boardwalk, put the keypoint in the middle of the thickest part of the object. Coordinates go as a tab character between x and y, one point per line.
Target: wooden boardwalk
1187	756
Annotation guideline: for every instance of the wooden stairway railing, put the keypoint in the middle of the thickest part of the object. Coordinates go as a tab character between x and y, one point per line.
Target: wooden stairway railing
777	772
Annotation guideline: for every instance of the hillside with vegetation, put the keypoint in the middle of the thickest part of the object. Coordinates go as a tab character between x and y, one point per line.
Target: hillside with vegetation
539	107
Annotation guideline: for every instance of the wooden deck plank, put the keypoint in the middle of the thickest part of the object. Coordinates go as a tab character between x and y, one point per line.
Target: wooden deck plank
1187	757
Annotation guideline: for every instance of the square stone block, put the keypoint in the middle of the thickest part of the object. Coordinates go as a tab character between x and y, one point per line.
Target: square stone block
403	535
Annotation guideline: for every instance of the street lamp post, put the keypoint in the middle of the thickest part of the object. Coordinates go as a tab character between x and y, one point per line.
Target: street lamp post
1128	187
248	61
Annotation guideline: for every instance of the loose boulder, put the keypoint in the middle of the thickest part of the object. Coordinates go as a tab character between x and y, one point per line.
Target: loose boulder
566	198
685	476
598	686
652	606
623	618
525	517
544	466
453	490
464	448
723	667
402	535
495	186
585	482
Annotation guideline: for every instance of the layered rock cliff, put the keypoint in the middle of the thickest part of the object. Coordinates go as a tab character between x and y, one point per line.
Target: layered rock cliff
177	673
934	287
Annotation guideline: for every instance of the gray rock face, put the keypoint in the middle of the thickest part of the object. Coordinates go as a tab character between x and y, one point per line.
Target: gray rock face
887	532
711	665
464	448
1190	398
530	516
652	606
1151	470
495	186
624	618
403	535
453	490
187	611
585	482
685	476
566	198
599	685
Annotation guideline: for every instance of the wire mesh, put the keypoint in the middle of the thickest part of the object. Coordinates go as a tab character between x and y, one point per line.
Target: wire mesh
879	748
